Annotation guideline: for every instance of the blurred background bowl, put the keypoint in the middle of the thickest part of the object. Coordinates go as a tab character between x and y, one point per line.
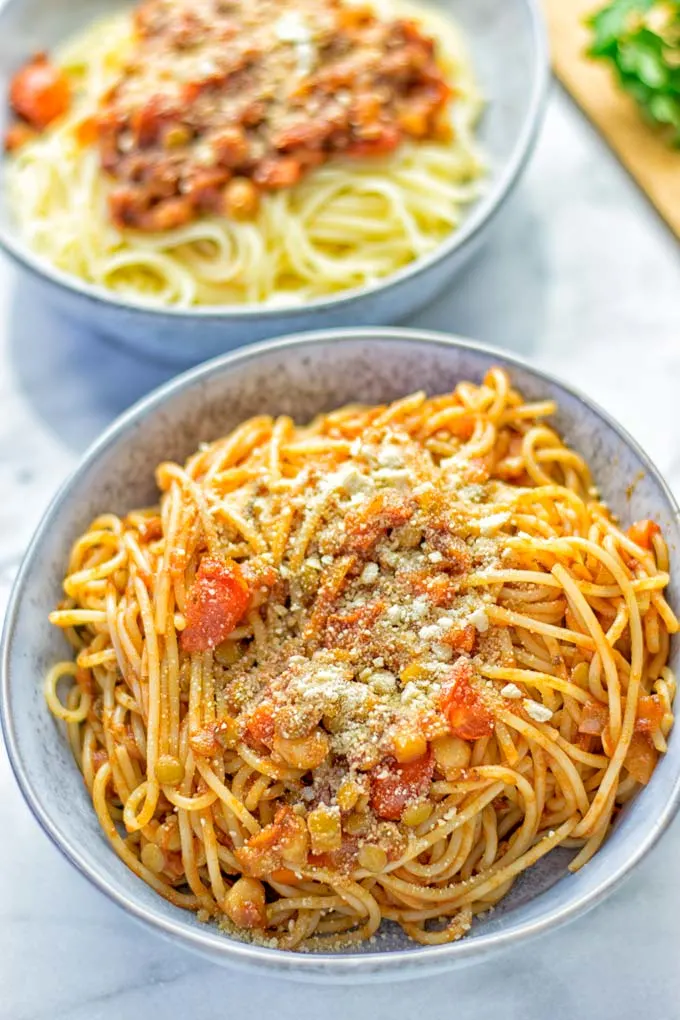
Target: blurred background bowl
510	56
302	376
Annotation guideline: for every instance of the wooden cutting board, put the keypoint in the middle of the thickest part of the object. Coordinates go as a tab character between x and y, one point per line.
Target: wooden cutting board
655	165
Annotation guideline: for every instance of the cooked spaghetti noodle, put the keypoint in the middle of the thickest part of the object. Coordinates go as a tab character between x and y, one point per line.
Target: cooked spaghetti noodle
371	668
347	223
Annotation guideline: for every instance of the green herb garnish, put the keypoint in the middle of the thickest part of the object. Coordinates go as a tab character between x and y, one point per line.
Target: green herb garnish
641	40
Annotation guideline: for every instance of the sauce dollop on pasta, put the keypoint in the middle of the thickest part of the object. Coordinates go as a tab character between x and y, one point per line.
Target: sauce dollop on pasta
225	99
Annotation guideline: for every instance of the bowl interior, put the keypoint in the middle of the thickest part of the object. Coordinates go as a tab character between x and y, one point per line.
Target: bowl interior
508	54
301	379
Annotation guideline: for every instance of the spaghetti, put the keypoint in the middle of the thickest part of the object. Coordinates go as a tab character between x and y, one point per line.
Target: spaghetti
371	668
249	152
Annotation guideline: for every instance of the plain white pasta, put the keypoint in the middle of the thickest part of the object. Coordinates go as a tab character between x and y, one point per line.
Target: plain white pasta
346	225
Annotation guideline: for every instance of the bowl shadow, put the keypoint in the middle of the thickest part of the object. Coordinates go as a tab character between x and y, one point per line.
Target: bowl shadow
75	380
500	297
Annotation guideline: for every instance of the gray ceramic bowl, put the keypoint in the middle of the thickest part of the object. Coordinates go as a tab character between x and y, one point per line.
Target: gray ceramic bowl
301	376
510	54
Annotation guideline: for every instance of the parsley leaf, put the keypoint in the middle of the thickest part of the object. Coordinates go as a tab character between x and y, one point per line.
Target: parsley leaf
641	40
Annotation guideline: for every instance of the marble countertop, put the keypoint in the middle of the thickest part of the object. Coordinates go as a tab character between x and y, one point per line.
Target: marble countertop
582	277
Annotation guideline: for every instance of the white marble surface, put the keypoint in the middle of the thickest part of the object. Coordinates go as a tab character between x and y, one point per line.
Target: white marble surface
582	277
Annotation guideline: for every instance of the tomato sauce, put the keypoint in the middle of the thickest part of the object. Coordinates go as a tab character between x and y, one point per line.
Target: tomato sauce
223	100
217	602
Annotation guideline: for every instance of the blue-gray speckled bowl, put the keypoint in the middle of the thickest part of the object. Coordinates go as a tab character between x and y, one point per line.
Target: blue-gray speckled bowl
301	376
508	46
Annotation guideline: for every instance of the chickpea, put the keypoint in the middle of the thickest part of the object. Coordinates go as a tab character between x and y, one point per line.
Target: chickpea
348	795
372	858
176	135
451	753
414	121
169	770
168	836
241	199
417	813
153	858
408	746
294	841
244	904
324	828
303	752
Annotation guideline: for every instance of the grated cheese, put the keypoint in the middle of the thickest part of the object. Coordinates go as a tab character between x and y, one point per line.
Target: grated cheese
398	478
395	615
429	633
443	652
291	27
369	575
384	618
511	691
390	456
479	620
490	525
538	712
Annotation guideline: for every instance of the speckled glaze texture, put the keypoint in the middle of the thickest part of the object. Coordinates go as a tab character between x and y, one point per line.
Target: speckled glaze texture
302	376
510	56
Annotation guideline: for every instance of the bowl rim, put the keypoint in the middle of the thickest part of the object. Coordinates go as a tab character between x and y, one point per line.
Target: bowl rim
481	214
329	967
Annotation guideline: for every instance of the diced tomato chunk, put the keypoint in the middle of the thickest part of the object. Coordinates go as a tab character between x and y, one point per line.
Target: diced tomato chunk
205	742
395	785
285	875
461	639
99	756
462	428
386	141
468	716
261	723
479	469
206	187
457	558
594	718
278	172
350	18
18	135
150	529
585	742
40	92
282	843
307	133
218	600
440	589
643	532
345	629
87	131
650	712
641	758
344	859
411	30
363	527
191	91
259	575
148	120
